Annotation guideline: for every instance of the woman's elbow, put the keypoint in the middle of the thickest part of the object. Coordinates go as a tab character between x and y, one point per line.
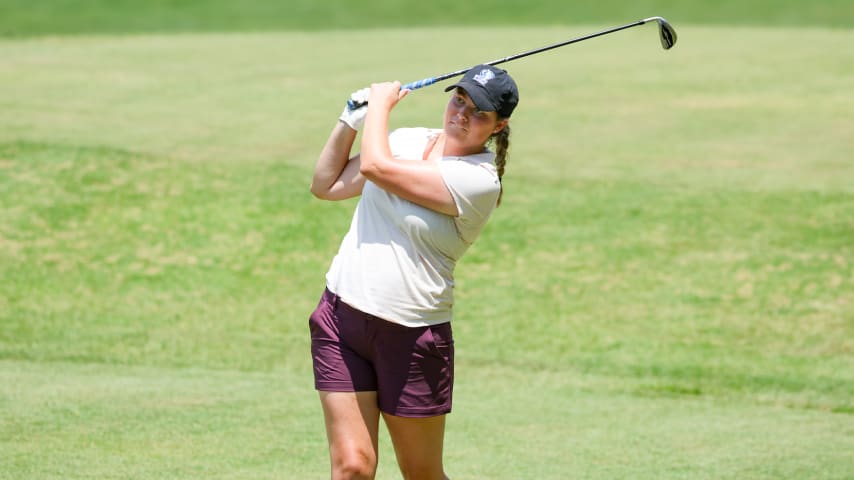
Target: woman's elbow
321	193
368	169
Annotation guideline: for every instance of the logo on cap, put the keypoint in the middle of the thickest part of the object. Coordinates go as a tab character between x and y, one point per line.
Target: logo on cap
484	76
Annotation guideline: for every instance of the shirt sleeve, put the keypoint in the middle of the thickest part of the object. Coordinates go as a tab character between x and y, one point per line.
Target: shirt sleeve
475	189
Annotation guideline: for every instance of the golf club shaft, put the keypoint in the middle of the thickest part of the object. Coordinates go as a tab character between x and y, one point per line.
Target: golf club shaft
352	105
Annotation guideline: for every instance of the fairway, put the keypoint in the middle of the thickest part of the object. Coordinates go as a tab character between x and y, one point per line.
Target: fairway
666	291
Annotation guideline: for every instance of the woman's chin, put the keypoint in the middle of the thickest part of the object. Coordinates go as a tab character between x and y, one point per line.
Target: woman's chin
453	129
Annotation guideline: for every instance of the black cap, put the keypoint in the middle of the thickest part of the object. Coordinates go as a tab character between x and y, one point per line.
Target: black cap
490	88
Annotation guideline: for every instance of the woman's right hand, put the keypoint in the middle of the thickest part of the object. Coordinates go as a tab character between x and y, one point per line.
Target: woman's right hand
386	95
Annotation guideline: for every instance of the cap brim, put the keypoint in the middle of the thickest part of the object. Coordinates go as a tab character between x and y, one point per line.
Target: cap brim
477	95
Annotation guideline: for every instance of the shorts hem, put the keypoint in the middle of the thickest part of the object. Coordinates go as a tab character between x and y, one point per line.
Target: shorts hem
418	412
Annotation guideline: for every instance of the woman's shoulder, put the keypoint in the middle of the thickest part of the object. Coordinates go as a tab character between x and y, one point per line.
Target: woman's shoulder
485	160
475	171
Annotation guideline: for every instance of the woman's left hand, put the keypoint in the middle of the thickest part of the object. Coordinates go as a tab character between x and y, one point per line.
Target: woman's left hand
386	95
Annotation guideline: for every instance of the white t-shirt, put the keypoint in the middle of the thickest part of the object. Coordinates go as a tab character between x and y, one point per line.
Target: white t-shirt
397	260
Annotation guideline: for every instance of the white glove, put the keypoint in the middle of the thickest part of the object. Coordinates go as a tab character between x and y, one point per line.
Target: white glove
356	118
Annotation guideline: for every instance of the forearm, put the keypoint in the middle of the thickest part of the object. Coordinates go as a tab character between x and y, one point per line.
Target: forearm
375	150
333	159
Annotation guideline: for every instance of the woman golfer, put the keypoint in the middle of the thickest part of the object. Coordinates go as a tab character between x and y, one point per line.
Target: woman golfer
381	335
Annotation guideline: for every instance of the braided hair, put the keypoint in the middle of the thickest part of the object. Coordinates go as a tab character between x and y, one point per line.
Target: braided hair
502	145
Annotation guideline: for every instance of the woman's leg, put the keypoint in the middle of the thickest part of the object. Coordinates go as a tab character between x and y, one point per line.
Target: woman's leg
418	445
352	426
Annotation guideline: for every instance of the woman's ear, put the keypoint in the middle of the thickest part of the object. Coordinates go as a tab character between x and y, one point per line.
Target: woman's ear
500	126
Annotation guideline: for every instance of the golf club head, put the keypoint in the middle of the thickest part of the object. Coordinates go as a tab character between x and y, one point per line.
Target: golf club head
665	32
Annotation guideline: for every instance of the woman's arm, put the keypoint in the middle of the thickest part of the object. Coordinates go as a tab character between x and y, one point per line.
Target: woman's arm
419	182
336	174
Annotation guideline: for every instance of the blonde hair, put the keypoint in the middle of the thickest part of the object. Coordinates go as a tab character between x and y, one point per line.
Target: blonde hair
502	145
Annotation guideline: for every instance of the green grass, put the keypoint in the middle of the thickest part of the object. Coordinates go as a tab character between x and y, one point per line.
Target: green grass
666	291
47	17
96	421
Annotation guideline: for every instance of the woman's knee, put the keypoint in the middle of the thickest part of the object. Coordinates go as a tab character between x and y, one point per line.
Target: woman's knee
354	464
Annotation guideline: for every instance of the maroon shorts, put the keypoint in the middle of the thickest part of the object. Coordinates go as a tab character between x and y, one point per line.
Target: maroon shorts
411	369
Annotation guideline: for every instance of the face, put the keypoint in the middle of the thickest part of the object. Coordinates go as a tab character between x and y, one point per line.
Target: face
468	125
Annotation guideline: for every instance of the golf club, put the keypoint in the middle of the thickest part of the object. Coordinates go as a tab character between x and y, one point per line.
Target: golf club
665	32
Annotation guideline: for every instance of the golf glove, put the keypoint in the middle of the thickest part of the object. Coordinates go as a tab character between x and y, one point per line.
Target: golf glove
356	118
